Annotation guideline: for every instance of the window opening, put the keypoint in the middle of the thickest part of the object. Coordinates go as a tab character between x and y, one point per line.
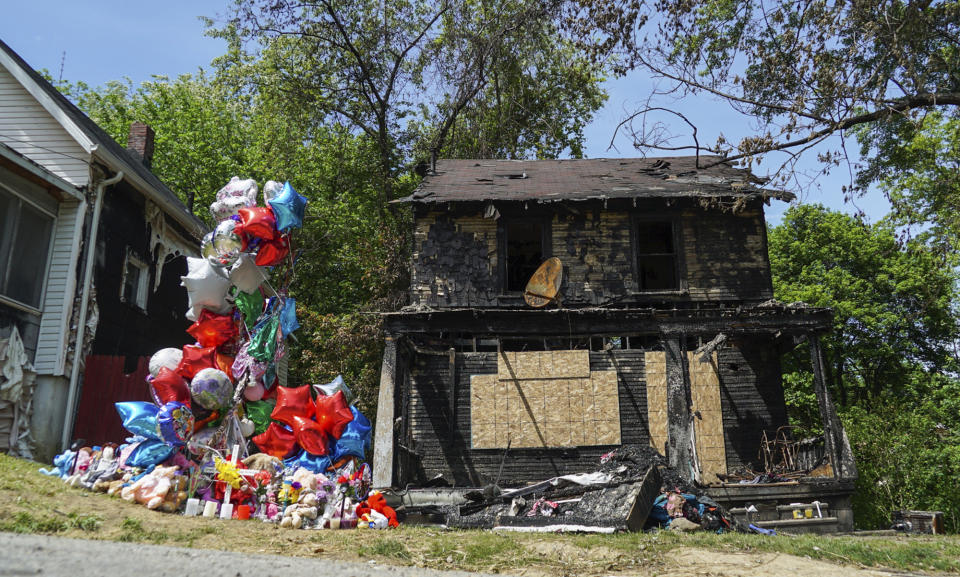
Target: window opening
25	234
656	256
136	277
524	252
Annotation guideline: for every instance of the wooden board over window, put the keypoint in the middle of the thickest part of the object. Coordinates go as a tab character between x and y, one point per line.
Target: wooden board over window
544	399
705	395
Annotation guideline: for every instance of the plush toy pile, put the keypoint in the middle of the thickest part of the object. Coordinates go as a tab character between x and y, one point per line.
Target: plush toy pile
222	431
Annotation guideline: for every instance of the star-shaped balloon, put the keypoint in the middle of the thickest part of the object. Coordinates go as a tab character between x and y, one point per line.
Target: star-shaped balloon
170	387
246	275
257	221
288	206
333	414
333	386
212	330
272	252
310	435
139	417
355	441
276	441
263	344
250	305
288	317
314	463
195	359
206	287
292	402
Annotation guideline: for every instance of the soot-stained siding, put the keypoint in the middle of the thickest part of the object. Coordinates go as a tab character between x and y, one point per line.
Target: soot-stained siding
751	393
442	449
722	255
124	329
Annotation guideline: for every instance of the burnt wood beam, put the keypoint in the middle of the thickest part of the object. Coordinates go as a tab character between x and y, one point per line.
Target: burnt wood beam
383	435
595	321
679	420
837	443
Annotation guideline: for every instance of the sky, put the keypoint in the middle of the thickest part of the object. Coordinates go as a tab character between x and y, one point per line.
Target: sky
96	41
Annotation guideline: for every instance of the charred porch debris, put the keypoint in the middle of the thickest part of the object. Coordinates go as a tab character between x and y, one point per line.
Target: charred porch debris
664	335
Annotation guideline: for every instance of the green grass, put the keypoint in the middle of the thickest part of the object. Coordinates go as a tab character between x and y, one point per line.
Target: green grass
382	547
134	532
24	522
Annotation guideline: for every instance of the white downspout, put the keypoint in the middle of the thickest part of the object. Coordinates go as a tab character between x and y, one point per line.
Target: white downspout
69	417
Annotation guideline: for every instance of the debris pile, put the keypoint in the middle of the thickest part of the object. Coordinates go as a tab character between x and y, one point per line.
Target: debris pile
224	436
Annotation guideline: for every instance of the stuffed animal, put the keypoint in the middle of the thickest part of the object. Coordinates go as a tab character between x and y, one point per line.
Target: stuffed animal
62	465
150	489
263	462
176	495
294	515
377	502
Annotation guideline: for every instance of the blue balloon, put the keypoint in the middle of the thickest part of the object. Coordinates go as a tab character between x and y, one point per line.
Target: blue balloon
288	207
315	463
355	440
288	317
149	452
175	423
140	418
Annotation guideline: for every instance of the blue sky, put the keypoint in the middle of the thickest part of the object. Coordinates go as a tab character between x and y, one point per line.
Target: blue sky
102	40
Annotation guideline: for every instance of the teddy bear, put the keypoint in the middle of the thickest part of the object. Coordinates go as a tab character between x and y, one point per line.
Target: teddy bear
294	515
262	462
176	495
151	488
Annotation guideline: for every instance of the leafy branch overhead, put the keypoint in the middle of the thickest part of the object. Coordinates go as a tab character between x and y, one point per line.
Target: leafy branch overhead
803	69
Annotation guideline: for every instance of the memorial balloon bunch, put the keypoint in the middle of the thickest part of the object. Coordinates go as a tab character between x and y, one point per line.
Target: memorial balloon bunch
220	398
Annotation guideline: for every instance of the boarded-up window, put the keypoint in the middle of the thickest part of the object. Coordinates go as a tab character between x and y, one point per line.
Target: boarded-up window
656	256
544	399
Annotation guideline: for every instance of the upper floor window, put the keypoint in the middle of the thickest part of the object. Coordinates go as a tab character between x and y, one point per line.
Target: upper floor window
656	254
25	233
524	251
136	278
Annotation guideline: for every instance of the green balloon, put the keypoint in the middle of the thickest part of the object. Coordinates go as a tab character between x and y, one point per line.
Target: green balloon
259	413
250	306
263	345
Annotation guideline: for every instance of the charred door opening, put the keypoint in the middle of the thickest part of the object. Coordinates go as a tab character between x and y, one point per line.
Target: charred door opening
524	251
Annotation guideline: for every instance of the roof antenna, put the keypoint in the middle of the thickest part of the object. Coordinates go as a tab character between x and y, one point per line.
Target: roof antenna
63	60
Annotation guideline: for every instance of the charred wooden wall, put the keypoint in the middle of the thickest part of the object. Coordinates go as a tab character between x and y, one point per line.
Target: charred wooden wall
435	410
124	329
441	440
722	255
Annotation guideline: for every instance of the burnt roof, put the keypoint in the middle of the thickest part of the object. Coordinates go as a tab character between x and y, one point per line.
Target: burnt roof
587	179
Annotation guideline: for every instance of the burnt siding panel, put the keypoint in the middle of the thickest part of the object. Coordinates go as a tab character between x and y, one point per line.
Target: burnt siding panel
454	261
445	450
725	255
751	394
596	252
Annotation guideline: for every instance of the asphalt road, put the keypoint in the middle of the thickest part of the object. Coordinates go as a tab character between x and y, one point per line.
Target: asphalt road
41	555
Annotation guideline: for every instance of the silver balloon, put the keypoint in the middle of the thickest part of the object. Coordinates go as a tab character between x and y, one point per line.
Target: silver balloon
333	386
226	243
208	251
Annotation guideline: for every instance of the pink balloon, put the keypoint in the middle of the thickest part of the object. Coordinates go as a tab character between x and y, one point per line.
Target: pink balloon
254	393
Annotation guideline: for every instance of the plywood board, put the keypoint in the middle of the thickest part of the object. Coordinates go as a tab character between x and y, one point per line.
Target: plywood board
708	429
550	401
655	364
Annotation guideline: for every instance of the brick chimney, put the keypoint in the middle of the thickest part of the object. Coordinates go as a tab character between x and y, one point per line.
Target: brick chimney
140	142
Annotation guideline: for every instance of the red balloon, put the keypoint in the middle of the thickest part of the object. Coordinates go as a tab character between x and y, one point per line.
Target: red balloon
272	252
293	402
212	330
257	221
170	387
310	436
276	441
333	414
196	359
225	364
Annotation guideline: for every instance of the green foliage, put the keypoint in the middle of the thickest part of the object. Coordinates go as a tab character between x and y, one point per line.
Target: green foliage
893	304
908	457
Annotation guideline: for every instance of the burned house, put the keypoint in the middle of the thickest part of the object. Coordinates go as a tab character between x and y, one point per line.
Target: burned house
664	332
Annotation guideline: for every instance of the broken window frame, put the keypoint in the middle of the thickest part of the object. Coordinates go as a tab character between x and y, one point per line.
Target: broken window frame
679	276
142	291
503	243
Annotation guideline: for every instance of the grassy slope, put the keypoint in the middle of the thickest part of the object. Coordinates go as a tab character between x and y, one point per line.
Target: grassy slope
32	503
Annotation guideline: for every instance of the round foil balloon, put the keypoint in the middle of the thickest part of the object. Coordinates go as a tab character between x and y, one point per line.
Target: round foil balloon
211	388
175	423
207	250
169	358
227	243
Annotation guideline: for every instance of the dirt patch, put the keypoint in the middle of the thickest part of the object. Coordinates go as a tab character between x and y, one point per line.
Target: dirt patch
691	561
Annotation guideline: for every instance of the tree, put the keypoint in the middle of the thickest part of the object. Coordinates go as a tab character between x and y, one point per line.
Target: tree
894	305
802	70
